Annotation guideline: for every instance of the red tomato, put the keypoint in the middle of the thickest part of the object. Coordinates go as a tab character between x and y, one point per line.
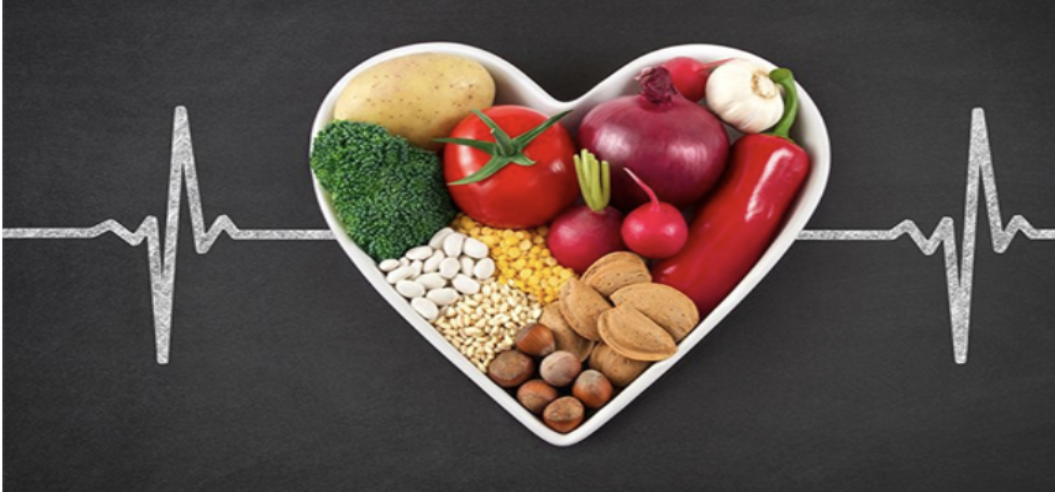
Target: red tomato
517	196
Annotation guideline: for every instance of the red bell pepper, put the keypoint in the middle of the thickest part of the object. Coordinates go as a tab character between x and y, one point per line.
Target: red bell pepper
737	223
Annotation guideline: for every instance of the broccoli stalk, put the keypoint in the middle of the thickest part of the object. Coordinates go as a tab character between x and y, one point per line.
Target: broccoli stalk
389	195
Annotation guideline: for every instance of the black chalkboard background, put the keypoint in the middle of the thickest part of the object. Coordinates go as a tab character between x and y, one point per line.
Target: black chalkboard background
289	373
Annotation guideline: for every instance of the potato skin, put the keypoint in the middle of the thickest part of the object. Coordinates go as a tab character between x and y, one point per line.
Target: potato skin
419	97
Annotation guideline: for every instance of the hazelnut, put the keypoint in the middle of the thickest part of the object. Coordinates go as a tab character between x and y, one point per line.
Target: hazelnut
592	388
510	368
535	395
560	368
564	414
536	340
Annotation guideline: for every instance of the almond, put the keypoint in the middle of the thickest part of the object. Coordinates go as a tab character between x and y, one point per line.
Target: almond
665	305
616	270
565	336
618	369
581	305
634	336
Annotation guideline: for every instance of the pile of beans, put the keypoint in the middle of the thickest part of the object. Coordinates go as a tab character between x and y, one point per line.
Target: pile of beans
439	273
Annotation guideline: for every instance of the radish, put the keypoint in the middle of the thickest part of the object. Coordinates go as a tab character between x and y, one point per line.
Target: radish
655	229
690	76
582	234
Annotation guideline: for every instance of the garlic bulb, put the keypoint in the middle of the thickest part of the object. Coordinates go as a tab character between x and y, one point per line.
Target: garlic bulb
742	95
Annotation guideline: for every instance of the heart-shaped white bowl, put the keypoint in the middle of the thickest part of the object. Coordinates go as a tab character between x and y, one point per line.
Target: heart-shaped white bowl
514	87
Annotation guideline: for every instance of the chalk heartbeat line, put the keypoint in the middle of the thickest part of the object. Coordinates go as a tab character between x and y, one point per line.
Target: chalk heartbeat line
959	272
163	266
162	255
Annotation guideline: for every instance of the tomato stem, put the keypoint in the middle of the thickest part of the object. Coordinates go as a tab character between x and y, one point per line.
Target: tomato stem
504	150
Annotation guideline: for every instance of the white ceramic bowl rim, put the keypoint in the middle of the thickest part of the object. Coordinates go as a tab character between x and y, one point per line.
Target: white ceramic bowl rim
515	87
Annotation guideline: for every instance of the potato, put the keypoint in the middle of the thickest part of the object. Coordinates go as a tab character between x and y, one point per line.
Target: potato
419	97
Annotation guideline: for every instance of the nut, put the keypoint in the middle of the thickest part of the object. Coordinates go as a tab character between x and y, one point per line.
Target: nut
618	369
535	395
634	336
616	270
564	414
511	368
565	336
592	388
560	368
536	340
581	305
667	306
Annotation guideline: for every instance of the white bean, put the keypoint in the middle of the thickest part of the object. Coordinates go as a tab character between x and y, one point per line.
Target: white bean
410	289
467	266
475	248
419	253
484	269
449	267
433	263
431	280
442	296
398	274
452	245
437	239
415	268
404	261
426	308
388	265
466	285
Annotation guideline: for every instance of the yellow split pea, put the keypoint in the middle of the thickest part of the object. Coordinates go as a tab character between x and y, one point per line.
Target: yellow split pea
521	257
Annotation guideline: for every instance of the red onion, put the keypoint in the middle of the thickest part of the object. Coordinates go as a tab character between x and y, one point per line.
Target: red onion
675	145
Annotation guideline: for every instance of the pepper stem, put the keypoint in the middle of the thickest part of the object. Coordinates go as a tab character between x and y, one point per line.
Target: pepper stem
784	78
595	181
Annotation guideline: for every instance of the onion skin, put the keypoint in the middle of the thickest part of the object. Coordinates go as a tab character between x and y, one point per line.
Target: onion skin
675	145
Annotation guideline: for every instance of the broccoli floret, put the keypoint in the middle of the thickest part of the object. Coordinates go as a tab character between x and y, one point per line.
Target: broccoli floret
389	195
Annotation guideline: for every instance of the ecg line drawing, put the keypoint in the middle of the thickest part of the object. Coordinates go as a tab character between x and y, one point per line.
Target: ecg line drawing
959	275
959	272
163	267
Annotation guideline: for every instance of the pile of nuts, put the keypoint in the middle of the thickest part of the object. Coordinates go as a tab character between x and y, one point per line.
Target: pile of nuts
647	320
559	372
534	328
619	342
484	324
